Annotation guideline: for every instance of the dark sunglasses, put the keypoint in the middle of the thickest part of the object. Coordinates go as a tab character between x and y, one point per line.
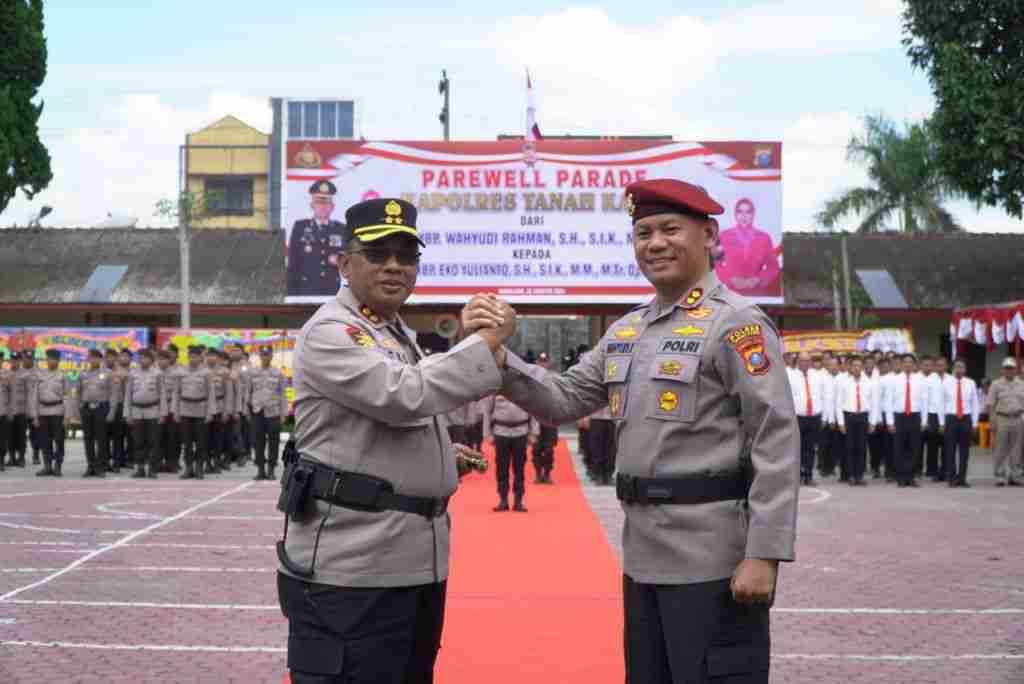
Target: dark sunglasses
380	255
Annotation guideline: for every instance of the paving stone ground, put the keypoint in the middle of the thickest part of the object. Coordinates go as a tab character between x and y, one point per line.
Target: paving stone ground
174	581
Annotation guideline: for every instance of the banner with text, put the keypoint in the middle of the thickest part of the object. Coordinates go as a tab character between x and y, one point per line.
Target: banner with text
536	222
74	343
899	340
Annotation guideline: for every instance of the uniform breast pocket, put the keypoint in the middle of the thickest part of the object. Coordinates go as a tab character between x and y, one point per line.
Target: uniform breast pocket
616	375
674	388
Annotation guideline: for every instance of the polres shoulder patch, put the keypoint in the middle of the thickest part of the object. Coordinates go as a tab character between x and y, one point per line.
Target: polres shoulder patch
748	341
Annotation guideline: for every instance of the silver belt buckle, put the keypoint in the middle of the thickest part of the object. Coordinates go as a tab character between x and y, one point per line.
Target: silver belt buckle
94	405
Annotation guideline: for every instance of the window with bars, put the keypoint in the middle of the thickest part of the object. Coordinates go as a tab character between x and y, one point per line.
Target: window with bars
229	197
324	120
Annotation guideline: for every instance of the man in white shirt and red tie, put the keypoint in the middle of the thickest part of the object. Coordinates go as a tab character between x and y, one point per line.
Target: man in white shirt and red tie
830	438
856	416
958	420
935	457
808	389
906	403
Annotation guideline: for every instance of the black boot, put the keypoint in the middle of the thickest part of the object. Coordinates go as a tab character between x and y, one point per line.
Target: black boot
46	470
56	468
260	474
518	506
140	472
270	474
502	506
199	470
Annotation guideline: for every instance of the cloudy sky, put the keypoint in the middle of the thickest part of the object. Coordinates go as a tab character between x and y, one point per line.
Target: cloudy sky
128	80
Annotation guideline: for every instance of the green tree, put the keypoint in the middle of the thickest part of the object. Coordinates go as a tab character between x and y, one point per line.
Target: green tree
24	161
973	53
907	181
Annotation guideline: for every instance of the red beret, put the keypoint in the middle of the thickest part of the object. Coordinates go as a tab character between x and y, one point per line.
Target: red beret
668	196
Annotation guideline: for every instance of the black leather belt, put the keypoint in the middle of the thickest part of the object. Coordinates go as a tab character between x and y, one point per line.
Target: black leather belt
145	406
369	493
513	425
193	401
697	489
51	403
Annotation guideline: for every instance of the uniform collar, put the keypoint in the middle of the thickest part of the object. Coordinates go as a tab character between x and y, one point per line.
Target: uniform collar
365	313
694	298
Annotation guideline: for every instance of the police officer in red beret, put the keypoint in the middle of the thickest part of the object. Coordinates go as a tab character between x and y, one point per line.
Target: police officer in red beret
708	447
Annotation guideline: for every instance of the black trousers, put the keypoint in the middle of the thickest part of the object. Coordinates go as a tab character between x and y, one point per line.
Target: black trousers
958	447
584	447
475	436
349	635
544	449
5	440
35	439
266	432
935	463
51	438
906	442
94	434
170	443
115	437
19	439
218	429
693	634
195	438
602	448
146	438
856	443
810	428
510	451
880	448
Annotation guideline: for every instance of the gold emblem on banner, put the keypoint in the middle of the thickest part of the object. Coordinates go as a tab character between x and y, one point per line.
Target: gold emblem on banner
308	158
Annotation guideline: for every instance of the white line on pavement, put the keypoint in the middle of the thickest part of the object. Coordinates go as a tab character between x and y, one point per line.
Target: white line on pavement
124	540
893	657
132	604
902	611
139	568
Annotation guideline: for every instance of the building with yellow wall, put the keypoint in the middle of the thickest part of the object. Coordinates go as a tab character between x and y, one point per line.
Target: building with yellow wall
226	164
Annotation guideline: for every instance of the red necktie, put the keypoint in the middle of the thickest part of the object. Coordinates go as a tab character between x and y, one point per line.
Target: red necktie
959	401
857	382
807	388
906	401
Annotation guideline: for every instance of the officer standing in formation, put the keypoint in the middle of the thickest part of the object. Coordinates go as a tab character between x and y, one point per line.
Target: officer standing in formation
223	408
5	413
96	408
510	429
27	378
708	442
547	439
1006	409
170	428
809	399
266	402
193	406
906	403
364	562
958	419
240	433
47	396
313	246
145	407
857	415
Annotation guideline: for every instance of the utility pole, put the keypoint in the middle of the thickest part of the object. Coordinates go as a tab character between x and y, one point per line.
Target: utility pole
846	284
184	228
444	88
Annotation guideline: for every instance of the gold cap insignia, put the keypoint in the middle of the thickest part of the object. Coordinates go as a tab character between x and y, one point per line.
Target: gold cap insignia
394	212
307	158
628	204
324	188
668	401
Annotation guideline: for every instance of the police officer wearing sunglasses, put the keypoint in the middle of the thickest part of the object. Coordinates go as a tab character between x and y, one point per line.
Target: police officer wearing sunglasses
364	559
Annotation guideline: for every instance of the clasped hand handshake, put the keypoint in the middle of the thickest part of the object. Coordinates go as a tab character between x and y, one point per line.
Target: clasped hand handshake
493	319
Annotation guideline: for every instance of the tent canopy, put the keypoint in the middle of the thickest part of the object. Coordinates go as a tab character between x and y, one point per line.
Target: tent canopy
989	325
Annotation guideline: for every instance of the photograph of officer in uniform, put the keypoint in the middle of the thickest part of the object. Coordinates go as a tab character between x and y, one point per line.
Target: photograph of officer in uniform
707	440
313	245
364	558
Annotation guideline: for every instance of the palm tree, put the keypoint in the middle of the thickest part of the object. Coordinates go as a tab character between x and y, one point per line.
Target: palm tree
907	181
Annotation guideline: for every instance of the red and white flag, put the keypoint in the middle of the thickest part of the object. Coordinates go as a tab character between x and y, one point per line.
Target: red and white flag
532	129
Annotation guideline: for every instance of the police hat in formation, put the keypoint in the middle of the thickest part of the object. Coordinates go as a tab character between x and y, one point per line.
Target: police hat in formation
173	348
378	218
95	354
669	196
110	351
147	352
53	354
266	351
323	187
195	349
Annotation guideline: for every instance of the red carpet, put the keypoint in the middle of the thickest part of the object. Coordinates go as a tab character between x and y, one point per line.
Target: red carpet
532	597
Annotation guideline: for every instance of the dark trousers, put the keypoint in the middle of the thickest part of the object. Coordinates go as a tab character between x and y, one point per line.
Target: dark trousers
51	438
238	446
115	438
958	447
456	433
906	442
544	450
19	443
170	443
602	448
880	448
195	438
856	444
936	454
584	447
475	436
266	432
348	635
5	440
215	442
510	451
693	634
810	428
35	439
146	438
94	434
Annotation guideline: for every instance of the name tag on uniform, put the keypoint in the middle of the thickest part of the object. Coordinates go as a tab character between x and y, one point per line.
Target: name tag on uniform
680	346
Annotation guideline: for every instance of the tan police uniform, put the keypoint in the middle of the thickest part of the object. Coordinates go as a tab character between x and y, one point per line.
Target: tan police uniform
49	392
118	432
510	426
145	405
366	401
1006	408
194	404
96	409
266	405
6	416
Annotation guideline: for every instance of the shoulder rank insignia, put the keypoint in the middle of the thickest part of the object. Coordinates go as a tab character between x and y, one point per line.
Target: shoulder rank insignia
700	313
693	296
748	341
360	336
689	330
668	401
369	314
625	333
636	319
